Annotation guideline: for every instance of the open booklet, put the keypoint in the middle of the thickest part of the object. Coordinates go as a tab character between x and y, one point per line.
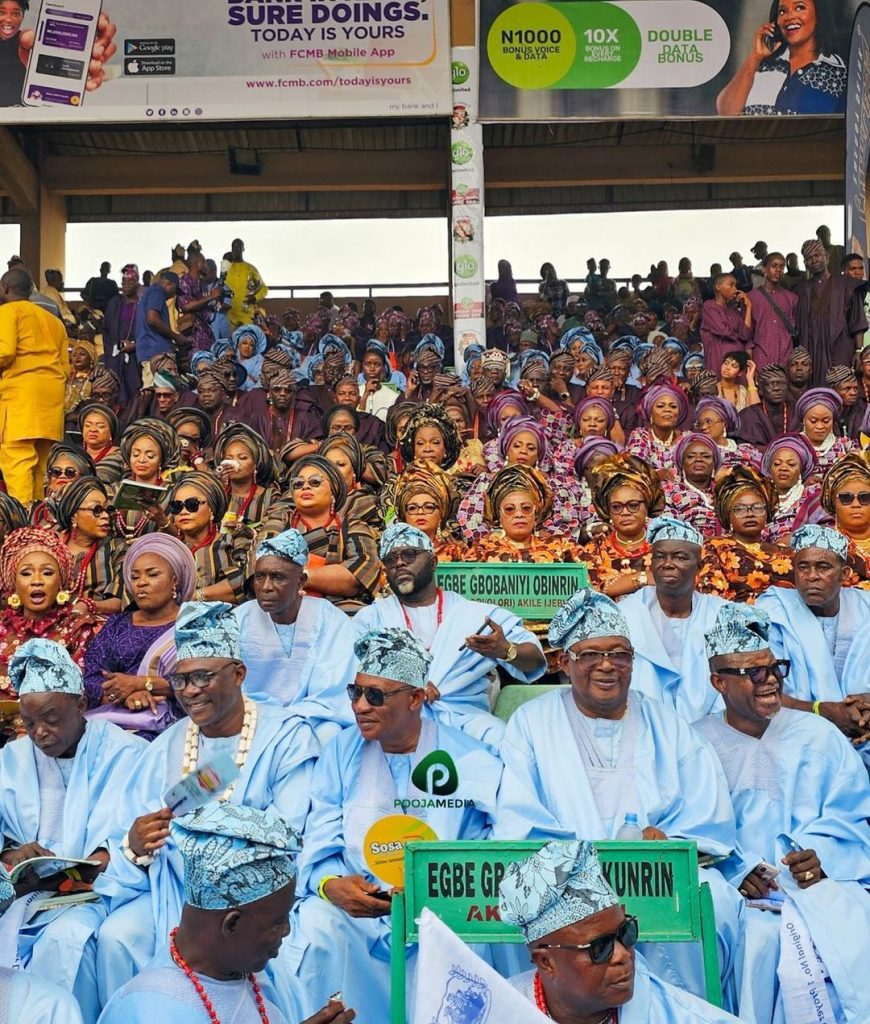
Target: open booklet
43	867
132	496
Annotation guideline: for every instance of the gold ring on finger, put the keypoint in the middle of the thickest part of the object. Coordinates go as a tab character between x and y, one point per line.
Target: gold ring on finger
808	875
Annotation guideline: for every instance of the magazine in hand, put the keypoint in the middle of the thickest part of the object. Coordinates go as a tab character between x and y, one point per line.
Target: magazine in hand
43	867
135	497
205	784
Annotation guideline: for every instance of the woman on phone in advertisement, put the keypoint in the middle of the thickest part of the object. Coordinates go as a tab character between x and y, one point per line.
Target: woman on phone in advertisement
793	66
16	46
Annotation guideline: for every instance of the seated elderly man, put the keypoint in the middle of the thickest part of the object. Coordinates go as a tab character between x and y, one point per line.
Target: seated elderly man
273	748
443	620
578	761
393	762
58	797
582	945
239	885
821	628
667	623
802	800
297	650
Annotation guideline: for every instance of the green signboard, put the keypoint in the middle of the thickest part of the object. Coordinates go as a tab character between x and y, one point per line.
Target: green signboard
534	592
657	882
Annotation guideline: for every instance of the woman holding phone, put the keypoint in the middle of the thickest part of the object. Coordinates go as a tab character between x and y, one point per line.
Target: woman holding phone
793	66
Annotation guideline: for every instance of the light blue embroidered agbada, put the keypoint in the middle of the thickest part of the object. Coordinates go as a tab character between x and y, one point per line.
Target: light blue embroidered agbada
568	776
144	905
462	677
670	661
817	672
801	779
72	818
27	999
309	678
356	784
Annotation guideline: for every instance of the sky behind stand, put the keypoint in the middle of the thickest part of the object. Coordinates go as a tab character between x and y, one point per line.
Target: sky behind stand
414	251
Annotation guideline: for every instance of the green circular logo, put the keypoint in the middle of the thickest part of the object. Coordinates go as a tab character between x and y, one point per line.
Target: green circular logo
461	189
460	72
466	303
465	266
608	46
531	46
461	152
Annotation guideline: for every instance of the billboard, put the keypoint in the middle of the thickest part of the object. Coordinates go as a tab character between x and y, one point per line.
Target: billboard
169	61
584	59
858	135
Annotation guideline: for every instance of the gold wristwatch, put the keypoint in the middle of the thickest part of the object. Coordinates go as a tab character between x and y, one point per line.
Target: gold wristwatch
149	685
511	653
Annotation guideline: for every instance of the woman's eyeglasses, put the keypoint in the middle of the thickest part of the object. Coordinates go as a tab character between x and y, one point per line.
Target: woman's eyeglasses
601	948
97	511
757	508
415	510
850	497
189	505
69	472
298	482
618	507
374	697
758	673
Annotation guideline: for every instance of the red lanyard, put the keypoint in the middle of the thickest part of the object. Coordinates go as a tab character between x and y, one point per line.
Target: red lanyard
439	614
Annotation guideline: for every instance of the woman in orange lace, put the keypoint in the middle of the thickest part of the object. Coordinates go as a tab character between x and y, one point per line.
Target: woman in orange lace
426	498
739	565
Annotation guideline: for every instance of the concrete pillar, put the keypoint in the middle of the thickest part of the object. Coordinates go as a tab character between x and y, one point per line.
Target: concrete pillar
43	235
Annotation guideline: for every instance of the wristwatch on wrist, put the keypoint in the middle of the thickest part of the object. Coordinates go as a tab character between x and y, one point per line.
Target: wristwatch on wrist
512	652
642	578
149	684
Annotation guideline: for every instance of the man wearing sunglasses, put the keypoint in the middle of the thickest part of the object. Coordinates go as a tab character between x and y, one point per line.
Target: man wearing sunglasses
392	762
802	800
467	639
578	760
273	748
821	627
582	946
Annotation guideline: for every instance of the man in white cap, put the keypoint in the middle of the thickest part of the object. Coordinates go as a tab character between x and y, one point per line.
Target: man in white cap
273	748
58	797
394	762
239	885
802	801
667	623
582	945
579	761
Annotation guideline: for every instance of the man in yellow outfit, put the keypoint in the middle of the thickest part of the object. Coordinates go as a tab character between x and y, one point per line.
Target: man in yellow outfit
34	367
247	285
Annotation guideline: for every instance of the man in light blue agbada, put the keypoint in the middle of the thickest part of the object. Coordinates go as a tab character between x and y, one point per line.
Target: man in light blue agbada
273	748
393	762
578	761
298	650
582	944
802	800
467	639
667	623
821	628
59	789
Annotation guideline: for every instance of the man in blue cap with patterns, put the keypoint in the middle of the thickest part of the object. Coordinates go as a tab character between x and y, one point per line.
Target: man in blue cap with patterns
582	945
578	760
273	748
821	628
802	800
239	886
59	787
667	623
392	762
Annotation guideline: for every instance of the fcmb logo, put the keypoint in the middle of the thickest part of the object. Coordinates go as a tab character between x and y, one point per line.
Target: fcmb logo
436	774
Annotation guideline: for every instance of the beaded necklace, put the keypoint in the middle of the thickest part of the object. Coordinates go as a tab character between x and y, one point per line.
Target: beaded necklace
246	736
288	431
541	1002
209	537
246	501
201	992
79	585
103	452
439	614
784	416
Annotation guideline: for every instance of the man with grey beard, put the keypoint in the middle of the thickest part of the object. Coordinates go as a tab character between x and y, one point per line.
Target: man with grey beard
467	639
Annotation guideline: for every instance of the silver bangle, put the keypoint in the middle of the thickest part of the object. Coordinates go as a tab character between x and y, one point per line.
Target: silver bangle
146	860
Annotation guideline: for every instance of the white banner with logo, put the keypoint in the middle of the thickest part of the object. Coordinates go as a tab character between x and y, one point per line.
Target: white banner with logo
466	204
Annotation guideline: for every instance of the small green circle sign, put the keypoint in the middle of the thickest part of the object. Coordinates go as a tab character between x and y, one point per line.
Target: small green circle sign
531	46
465	266
460	72
461	152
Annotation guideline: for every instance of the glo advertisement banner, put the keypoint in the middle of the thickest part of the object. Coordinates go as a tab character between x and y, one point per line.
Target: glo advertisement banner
584	59
188	60
858	135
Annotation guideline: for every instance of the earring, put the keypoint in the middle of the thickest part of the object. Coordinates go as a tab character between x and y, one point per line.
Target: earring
14	601
63	597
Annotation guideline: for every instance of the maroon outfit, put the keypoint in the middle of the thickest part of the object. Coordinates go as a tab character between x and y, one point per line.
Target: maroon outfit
722	331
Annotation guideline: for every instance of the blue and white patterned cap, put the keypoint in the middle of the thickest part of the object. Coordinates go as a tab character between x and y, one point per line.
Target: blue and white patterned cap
668	528
585	616
738	629
403	535
557	887
814	536
290	545
393	654
207	629
7	890
43	666
234	855
429	343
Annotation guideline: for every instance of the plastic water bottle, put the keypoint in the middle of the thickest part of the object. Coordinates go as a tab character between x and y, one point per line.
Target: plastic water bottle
629	830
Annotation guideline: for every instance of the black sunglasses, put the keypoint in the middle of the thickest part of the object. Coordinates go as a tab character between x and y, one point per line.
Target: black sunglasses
191	504
70	472
601	948
374	697
97	511
759	673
